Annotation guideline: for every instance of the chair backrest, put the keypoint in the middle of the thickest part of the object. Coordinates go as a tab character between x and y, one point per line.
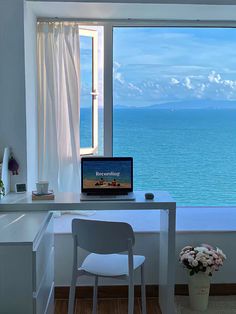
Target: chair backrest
102	237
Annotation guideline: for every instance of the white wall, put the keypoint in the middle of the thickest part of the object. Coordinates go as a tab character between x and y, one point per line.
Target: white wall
12	83
148	244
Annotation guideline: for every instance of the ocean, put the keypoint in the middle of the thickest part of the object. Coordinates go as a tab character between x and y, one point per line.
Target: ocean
190	153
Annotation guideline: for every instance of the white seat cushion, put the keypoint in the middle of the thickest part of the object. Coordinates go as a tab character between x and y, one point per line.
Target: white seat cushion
109	264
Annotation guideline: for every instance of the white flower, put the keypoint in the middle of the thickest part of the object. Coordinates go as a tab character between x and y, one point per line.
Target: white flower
202	259
194	263
199	255
200	248
204	264
219	251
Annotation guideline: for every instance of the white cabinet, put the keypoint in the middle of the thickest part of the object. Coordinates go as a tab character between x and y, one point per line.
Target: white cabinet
26	263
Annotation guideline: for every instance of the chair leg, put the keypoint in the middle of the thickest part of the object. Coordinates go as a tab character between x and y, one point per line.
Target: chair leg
143	291
72	295
95	293
131	295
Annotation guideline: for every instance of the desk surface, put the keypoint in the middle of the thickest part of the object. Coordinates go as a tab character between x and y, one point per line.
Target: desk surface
71	201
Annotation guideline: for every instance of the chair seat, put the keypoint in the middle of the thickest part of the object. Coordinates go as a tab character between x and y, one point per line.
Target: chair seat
109	264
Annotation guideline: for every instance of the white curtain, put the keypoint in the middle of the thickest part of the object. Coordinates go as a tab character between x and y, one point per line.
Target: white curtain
58	105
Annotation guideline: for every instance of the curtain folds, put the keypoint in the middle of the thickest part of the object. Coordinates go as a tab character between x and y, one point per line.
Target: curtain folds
58	105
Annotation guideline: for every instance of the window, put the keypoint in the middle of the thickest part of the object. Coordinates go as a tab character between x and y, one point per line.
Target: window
174	110
89	91
174	92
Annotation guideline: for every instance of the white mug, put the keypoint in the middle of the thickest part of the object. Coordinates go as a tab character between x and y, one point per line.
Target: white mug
42	187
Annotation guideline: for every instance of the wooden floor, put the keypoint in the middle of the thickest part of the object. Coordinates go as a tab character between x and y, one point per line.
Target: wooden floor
107	306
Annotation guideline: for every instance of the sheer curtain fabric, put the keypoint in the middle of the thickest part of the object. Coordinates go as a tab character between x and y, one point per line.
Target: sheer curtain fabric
58	105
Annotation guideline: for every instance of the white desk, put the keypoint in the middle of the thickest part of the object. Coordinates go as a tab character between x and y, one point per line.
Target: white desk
162	202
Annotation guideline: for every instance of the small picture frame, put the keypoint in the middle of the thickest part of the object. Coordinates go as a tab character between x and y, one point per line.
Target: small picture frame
20	187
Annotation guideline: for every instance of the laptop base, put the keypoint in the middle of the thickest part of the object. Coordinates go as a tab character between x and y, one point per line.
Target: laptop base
127	197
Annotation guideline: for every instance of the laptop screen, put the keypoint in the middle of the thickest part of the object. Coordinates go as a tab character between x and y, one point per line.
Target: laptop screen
107	175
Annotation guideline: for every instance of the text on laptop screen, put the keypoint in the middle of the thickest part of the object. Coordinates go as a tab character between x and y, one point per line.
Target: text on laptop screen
107	174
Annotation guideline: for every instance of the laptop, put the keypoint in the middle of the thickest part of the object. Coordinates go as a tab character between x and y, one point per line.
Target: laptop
107	179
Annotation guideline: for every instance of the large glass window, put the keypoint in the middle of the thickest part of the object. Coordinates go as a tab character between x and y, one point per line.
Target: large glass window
175	110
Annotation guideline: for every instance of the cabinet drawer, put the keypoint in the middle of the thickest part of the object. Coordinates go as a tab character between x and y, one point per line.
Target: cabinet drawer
42	254
43	294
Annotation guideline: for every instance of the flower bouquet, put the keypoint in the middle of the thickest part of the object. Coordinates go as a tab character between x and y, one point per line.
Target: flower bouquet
201	261
202	258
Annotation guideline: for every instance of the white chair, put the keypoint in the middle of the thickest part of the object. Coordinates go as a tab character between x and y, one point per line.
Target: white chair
104	240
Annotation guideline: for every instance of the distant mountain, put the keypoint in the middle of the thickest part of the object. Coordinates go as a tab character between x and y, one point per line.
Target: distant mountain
188	104
197	104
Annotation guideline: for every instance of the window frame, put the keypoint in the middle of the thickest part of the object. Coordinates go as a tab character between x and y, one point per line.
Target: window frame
93	34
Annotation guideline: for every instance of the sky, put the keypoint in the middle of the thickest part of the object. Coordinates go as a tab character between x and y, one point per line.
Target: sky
154	66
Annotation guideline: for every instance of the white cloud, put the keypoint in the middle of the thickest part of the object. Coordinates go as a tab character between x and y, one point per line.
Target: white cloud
225	85
135	88
214	77
199	91
174	81
149	84
172	87
230	83
116	65
118	77
202	87
187	83
125	88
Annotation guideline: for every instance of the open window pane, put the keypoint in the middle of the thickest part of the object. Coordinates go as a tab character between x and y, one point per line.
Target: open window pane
86	77
91	70
175	110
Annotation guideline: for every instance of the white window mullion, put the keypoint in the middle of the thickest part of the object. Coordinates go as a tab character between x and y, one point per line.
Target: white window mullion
108	89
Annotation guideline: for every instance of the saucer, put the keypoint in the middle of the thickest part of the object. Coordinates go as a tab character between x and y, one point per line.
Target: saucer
39	194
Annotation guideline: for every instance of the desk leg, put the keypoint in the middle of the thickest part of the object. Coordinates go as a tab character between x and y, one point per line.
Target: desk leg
167	261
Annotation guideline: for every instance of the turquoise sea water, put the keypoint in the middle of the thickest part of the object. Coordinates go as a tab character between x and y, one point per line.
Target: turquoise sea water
190	153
